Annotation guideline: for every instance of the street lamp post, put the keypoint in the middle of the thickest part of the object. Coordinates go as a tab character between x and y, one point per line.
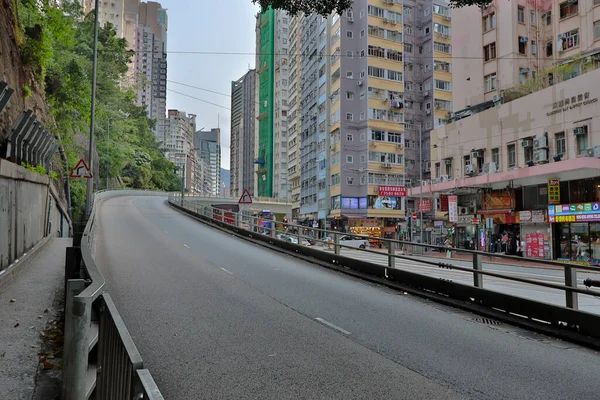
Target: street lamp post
90	182
421	179
107	151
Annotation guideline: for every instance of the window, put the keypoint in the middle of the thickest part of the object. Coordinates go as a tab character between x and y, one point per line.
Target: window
442	47
569	40
349	116
568	9
496	157
349	74
350	180
521	14
395	75
490	82
442	66
533	47
528	153
349	159
349	54
349	95
376	11
532	17
362	13
362	33
549	48
596	30
512	155
349	34
443	85
522	45
349	137
581	139
376	51
363	158
489	22
549	18
561	145
376	72
362	117
489	52
408	47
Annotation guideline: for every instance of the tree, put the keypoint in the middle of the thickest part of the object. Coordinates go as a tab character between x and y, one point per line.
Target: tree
326	7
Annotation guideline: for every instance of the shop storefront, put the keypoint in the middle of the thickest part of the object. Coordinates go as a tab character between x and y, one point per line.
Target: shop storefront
498	208
536	233
576	231
465	232
366	226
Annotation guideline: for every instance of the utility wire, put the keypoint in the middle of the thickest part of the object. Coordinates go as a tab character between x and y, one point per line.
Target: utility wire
199	88
196	98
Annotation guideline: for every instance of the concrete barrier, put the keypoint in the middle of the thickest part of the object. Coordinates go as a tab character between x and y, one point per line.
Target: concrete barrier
30	210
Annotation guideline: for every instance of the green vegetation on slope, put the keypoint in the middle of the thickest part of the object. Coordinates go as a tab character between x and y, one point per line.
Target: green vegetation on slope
57	45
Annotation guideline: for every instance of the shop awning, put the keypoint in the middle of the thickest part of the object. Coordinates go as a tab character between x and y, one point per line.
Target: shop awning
565	170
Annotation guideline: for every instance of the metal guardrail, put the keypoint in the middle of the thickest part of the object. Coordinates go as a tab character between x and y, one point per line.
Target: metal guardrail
569	315
100	359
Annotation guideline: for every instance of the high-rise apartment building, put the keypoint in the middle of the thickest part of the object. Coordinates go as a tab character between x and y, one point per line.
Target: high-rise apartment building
112	12
243	121
151	63
272	34
179	146
294	113
208	147
509	43
387	83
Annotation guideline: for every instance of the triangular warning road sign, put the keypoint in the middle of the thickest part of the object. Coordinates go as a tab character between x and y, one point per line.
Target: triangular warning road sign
81	170
246	198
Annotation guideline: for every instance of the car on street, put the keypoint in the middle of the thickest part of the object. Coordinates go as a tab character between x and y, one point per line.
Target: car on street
354	241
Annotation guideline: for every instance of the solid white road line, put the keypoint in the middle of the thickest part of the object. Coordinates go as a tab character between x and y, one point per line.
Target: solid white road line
329	324
185	245
229	272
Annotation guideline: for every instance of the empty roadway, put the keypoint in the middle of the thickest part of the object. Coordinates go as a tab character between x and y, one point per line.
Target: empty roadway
217	317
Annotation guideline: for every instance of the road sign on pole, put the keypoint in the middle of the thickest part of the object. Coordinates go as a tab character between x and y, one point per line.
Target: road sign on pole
81	170
246	198
414	217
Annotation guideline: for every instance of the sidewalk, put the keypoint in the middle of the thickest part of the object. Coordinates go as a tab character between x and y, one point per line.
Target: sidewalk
484	259
30	306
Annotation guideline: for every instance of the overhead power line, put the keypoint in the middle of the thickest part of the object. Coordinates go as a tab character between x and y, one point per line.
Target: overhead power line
196	98
199	88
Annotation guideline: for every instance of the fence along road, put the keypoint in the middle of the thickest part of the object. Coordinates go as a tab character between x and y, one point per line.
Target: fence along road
218	317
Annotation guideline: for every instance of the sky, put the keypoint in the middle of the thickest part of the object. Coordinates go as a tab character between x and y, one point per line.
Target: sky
208	26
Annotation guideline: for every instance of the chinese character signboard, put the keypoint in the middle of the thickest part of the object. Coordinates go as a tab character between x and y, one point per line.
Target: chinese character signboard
553	191
453	208
425	205
443	202
582	212
392	191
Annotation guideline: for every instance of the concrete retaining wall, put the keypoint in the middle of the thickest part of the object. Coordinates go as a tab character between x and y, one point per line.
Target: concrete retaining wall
29	211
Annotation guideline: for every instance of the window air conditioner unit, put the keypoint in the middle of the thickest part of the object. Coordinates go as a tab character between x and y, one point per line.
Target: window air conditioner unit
471	170
475	154
386	165
540	156
526	143
540	142
428	112
350	19
426	93
524	39
448	161
445	178
359	83
373	143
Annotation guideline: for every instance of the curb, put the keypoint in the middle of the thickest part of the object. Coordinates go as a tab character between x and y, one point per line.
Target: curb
17	267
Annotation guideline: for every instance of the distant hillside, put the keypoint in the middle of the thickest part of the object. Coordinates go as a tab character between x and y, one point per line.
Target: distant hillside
225	176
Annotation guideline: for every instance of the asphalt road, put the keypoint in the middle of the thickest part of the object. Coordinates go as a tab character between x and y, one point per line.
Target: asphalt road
216	317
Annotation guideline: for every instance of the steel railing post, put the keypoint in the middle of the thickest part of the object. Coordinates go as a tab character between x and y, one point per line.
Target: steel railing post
477	266
571	282
77	322
391	254
336	245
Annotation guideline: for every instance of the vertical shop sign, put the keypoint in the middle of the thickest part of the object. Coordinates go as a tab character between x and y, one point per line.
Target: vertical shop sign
453	208
554	191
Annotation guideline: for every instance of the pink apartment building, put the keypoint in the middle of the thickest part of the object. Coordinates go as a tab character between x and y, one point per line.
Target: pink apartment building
527	169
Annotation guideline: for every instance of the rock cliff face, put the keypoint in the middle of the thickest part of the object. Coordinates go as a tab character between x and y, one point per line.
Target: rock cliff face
18	76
